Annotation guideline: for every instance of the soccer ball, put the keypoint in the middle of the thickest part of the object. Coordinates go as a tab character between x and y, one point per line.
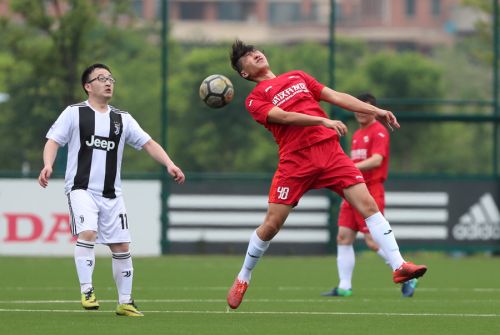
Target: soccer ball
216	91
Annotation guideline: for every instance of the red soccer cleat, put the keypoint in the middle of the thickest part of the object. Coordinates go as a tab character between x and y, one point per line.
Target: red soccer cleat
236	293
408	271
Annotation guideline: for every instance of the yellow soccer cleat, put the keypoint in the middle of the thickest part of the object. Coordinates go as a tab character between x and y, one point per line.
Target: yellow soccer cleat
89	301
128	309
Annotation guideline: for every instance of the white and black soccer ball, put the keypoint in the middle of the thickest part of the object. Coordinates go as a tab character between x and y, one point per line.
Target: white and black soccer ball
216	91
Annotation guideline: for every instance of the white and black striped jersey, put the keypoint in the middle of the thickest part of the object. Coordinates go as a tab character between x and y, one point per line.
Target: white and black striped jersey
95	146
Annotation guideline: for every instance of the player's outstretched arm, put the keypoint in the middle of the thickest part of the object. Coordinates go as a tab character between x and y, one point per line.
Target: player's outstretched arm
160	155
350	103
49	156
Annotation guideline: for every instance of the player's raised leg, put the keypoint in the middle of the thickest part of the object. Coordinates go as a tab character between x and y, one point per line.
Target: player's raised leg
408	287
381	231
256	248
259	242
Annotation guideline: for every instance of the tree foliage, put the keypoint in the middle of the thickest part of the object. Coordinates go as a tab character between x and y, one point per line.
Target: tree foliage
51	44
479	45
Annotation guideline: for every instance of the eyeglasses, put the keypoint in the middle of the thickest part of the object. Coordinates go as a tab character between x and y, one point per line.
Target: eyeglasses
102	78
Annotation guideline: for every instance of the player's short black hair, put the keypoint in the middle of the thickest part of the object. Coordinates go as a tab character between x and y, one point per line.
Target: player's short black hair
368	97
86	73
238	50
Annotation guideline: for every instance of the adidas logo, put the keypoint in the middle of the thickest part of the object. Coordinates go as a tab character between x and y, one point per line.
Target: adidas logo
481	222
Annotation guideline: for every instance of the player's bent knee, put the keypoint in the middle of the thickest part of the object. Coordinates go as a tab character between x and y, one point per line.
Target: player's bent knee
267	232
369	207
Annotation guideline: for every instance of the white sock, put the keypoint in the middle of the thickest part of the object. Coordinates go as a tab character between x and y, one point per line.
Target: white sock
123	273
85	262
256	248
345	265
384	236
381	253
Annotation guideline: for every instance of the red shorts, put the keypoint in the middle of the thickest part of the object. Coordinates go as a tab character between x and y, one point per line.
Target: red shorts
322	165
350	218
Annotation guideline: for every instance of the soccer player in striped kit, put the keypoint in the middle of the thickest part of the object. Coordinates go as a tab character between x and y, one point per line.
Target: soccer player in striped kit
96	134
310	157
370	154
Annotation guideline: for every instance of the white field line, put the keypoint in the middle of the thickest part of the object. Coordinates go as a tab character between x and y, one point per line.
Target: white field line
279	288
276	300
260	288
460	315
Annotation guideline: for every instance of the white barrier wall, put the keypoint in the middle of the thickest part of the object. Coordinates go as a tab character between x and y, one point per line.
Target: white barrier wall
207	218
35	221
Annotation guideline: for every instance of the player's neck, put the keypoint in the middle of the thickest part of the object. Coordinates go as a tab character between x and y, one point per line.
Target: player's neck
366	125
99	105
265	76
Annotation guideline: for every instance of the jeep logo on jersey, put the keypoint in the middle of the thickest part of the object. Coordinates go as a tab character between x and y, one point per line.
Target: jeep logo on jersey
100	143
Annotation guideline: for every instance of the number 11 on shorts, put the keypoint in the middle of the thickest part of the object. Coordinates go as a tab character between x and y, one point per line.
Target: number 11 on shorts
124	220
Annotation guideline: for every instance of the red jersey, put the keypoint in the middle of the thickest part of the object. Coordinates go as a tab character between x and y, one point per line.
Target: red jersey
369	141
294	91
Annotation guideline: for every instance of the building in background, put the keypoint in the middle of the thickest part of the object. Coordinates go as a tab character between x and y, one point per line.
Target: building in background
401	24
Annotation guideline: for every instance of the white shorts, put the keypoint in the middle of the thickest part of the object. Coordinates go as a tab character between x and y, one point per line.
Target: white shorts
107	217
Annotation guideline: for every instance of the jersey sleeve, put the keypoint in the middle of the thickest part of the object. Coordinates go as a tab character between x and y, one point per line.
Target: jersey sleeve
60	132
135	136
314	86
380	142
258	107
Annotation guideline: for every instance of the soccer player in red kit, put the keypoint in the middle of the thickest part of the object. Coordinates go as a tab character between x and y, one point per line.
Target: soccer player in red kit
370	154
310	157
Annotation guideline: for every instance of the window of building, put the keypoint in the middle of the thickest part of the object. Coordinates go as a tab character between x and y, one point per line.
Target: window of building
315	12
191	10
410	8
235	11
159	8
436	7
372	8
338	11
231	11
137	7
284	12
